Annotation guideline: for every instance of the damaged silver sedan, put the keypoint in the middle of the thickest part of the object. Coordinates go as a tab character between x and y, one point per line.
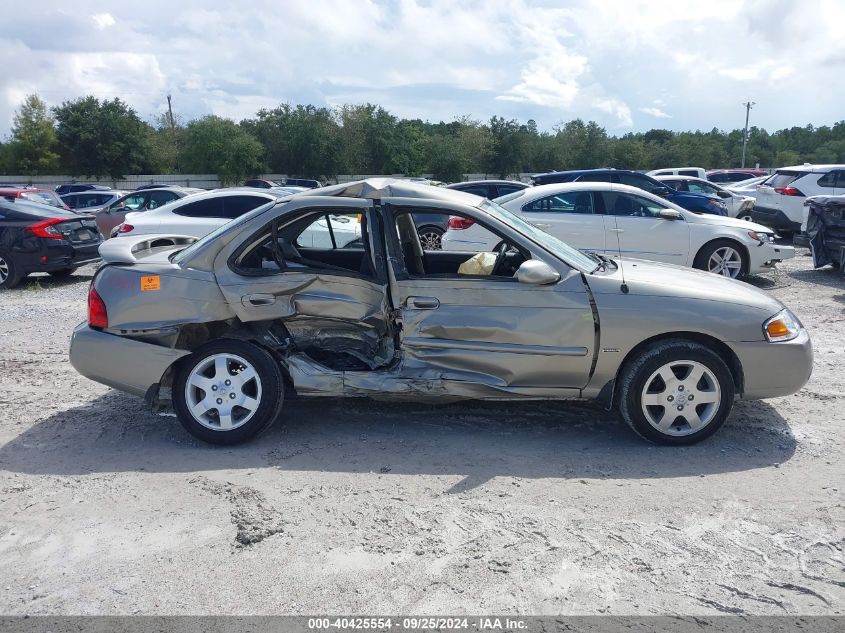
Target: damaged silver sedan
224	329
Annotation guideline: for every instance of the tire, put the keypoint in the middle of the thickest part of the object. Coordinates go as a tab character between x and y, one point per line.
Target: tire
723	257
64	272
645	396
10	275
430	238
257	397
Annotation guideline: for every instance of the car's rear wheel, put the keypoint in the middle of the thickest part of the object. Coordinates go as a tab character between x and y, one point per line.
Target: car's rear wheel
228	391
431	238
723	257
10	275
676	393
64	272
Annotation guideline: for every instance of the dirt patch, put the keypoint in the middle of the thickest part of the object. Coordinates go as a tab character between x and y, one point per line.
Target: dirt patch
367	507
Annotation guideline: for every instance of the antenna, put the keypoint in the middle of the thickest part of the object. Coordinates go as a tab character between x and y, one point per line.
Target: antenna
617	230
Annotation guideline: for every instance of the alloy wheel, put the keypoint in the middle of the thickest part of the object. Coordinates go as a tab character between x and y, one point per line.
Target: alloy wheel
4	270
223	392
681	397
430	241
725	261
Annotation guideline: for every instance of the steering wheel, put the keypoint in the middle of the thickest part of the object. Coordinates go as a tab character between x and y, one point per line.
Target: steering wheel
501	251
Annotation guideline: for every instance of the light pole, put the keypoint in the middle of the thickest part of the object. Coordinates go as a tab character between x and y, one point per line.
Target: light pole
748	105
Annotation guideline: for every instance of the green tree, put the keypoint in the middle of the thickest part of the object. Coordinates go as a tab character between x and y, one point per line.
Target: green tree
787	157
214	145
101	138
33	144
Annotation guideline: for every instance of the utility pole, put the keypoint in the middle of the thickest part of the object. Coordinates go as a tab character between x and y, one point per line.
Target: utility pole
173	133
748	105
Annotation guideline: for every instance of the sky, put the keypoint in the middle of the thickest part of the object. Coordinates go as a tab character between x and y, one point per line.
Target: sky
629	65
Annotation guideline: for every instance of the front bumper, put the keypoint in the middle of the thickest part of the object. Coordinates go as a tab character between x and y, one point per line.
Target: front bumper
119	362
774	369
764	256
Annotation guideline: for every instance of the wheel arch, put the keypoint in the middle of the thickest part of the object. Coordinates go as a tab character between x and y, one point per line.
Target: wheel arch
609	393
746	255
159	395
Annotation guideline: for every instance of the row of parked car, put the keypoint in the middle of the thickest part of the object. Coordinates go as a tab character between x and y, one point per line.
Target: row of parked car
676	215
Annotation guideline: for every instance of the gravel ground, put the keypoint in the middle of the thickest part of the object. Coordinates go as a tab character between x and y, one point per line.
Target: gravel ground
362	507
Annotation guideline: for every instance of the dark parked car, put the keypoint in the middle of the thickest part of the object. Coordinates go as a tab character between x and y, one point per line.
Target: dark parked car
40	238
79	186
261	183
695	202
728	176
41	196
308	183
489	189
153	185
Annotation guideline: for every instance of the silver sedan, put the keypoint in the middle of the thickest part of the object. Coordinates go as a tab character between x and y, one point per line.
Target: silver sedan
225	329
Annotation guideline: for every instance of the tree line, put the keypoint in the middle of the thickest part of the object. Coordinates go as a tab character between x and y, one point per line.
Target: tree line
107	138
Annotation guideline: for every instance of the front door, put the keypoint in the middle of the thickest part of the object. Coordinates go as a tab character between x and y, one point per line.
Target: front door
472	322
634	229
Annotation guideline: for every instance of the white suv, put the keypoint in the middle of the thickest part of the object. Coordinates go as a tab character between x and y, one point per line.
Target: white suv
622	221
781	197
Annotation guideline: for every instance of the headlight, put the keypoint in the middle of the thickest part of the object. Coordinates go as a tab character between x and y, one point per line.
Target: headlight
784	326
758	236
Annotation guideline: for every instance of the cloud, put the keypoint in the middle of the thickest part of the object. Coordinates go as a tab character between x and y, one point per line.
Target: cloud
102	20
439	59
656	112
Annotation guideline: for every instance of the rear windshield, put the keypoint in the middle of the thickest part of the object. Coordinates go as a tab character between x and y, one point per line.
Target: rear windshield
510	196
782	178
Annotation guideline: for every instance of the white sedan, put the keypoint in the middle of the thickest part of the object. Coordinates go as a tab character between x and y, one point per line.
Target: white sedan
622	221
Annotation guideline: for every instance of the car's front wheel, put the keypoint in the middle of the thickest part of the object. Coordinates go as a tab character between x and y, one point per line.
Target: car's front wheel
228	391
676	393
723	257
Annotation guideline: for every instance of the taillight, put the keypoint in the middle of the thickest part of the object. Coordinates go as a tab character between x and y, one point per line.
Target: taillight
788	191
458	224
47	229
125	228
98	317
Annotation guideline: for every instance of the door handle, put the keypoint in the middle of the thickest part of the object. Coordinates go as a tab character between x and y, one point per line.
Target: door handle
616	230
260	299
422	303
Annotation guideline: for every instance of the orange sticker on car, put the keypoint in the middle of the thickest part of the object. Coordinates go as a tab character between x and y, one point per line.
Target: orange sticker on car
153	282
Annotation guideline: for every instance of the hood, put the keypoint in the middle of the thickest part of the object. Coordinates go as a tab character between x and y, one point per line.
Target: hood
666	280
693	195
722	220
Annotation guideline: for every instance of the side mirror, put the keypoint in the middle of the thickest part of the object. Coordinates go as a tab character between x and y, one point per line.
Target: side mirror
537	273
723	194
661	191
669	214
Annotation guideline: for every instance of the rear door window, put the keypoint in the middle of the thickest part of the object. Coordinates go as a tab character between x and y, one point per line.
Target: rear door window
636	180
580	202
503	190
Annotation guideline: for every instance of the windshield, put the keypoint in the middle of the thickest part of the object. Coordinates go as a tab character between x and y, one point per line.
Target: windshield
550	243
